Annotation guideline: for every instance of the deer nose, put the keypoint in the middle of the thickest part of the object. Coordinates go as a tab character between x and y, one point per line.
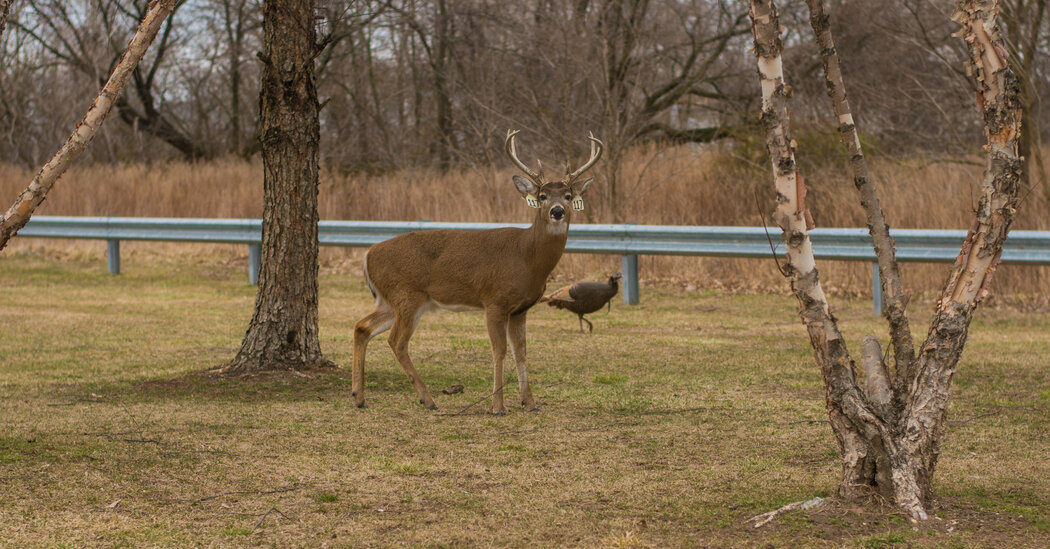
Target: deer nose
557	213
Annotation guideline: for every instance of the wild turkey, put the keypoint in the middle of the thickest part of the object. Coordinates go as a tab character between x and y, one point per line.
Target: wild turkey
585	297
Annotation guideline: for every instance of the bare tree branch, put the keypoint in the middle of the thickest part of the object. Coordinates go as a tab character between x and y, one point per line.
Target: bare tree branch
889	272
19	213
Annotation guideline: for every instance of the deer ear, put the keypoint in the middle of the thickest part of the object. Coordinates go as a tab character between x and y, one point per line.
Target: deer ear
580	187
525	186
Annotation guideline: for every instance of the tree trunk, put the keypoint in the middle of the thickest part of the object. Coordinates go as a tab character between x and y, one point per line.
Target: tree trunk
233	21
1026	31
5	7
442	93
889	273
20	212
283	330
890	444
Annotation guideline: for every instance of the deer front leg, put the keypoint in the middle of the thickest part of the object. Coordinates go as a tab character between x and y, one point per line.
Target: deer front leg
405	323
375	323
496	320
516	331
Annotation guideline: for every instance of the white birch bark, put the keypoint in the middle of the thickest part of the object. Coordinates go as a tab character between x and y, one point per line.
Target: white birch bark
19	213
896	452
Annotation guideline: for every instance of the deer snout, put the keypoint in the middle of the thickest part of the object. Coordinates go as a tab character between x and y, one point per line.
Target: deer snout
557	212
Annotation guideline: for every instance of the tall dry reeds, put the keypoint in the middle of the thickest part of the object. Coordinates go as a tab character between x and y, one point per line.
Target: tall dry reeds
675	186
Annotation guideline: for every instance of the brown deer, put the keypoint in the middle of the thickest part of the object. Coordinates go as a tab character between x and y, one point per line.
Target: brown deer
502	272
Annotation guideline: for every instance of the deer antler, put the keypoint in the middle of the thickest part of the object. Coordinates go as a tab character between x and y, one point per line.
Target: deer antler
596	153
512	152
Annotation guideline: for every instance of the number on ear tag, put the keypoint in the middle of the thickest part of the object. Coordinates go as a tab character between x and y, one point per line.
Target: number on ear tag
577	203
532	202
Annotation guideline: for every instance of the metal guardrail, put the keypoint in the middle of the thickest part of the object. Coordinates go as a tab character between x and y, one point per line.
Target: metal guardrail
626	240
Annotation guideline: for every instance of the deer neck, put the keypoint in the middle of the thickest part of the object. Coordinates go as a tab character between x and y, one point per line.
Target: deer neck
543	247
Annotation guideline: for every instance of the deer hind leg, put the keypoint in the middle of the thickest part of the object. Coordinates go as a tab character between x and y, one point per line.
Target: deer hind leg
373	324
516	333
496	321
405	321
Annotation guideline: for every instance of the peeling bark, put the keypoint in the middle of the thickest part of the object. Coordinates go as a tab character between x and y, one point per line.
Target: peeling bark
829	348
20	212
877	379
283	333
892	289
923	418
890	444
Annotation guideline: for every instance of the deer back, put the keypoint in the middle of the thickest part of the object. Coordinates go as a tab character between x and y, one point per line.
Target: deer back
507	267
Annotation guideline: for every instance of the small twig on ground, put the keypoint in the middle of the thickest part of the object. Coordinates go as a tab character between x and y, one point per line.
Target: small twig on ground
93	398
119	437
237	493
475	403
680	410
806	421
765	518
266	514
979	416
603	427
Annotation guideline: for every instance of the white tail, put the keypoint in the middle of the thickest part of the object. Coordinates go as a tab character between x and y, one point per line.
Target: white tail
502	272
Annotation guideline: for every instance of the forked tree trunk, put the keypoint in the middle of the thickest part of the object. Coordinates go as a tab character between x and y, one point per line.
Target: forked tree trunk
20	212
890	437
283	330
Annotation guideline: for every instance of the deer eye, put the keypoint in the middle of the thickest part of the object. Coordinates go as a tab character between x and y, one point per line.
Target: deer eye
543	197
568	197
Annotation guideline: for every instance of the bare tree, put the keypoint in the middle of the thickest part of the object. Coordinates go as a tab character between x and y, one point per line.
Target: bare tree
283	333
890	436
86	38
1025	21
20	212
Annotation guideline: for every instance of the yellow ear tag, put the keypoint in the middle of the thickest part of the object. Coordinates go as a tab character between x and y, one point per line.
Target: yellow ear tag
531	200
577	203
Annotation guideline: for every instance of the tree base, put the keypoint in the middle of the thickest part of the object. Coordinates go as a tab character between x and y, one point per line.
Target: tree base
248	366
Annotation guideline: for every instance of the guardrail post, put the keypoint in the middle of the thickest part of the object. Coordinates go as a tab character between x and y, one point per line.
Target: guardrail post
254	262
113	256
629	264
876	290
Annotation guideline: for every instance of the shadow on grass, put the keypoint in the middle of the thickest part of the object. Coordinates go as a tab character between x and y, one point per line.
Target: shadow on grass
331	384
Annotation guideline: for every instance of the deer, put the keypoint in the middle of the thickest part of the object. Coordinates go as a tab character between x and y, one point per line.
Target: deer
502	272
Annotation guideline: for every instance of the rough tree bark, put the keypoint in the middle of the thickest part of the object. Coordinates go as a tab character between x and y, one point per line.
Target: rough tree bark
5	8
283	333
890	441
889	273
19	213
1024	24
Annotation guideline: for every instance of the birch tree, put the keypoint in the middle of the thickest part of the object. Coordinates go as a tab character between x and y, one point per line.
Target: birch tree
20	212
890	432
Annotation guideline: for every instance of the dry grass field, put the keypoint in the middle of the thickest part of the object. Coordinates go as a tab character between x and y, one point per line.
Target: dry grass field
670	426
677	186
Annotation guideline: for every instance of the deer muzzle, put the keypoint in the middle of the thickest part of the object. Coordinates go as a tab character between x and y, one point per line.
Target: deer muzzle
557	212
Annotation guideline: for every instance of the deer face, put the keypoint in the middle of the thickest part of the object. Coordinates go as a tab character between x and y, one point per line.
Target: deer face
555	199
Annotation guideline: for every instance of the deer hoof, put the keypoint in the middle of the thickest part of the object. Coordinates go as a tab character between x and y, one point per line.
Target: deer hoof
362	404
535	409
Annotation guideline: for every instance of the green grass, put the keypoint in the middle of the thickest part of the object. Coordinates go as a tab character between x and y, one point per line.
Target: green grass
670	425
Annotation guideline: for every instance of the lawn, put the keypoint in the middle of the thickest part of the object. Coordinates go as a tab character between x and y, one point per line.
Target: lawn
670	425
